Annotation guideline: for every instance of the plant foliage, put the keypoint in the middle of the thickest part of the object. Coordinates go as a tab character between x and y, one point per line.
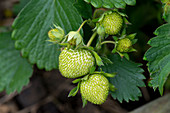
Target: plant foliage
129	77
159	54
111	3
32	25
15	71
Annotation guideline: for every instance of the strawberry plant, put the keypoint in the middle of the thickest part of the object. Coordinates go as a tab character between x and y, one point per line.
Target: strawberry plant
54	34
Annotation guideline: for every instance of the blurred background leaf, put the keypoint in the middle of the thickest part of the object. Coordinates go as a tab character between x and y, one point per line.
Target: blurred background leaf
15	71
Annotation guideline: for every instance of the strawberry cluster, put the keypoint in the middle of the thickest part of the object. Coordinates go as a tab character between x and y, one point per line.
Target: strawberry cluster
80	61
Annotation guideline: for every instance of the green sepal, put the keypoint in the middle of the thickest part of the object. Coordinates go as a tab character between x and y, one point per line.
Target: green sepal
122	36
92	69
126	56
85	78
126	21
109	75
131	36
114	50
121	54
106	60
123	33
98	59
134	41
112	87
120	13
84	101
98	44
76	81
95	20
132	50
115	38
74	91
102	16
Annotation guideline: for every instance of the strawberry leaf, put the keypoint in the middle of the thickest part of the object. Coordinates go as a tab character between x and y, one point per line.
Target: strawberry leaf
32	25
17	7
158	57
15	71
129	77
85	10
111	3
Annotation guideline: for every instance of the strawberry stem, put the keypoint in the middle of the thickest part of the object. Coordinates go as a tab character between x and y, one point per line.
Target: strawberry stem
91	39
81	26
106	42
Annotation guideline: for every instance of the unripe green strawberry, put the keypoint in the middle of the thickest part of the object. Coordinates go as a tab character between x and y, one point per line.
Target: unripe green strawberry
124	45
95	89
101	31
75	63
112	23
56	35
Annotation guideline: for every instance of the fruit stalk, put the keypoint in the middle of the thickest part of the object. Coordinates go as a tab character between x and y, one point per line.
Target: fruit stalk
91	39
81	25
106	42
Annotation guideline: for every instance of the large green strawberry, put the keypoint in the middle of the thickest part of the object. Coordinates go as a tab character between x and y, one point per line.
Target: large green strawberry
124	45
112	23
95	89
75	63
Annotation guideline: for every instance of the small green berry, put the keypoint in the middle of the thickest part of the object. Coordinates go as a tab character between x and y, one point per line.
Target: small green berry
124	45
75	63
56	35
112	23
95	89
101	31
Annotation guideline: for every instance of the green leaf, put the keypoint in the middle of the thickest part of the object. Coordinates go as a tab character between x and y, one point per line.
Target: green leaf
130	2
84	9
17	8
15	71
111	3
129	77
74	91
158	57
33	23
